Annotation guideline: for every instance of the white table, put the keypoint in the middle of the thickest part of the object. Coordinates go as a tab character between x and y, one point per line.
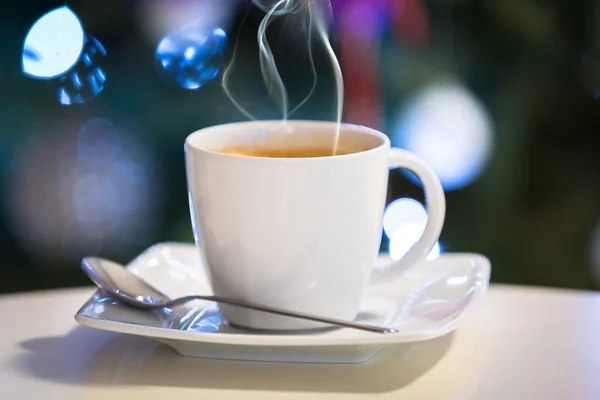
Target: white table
516	343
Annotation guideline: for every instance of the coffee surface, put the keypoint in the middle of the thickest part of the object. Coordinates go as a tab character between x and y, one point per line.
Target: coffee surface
288	152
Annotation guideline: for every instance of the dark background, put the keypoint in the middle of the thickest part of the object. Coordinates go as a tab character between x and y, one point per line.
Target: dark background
534	66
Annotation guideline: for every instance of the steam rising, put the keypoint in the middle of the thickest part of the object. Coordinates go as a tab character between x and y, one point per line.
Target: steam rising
316	23
279	7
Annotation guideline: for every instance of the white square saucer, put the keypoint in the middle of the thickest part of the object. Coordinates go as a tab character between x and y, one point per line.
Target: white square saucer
424	303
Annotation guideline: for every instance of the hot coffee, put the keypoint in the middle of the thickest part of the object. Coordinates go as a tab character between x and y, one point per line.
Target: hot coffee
289	152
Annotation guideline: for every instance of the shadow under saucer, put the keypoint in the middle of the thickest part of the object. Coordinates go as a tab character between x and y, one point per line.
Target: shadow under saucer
90	357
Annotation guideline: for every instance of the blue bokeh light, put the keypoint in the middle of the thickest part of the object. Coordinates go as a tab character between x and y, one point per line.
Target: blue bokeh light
86	80
191	56
53	44
98	142
56	48
110	185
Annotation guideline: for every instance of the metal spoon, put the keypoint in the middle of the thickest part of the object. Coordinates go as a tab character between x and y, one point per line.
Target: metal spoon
134	291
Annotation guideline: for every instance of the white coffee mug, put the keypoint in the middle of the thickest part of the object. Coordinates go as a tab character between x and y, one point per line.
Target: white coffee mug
297	233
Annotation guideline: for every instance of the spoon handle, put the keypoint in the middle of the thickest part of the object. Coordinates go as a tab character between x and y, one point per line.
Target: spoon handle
285	313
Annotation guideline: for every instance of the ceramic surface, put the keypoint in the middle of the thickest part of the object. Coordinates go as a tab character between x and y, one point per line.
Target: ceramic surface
297	233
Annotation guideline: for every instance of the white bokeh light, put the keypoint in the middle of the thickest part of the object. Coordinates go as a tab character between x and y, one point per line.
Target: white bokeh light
53	44
401	212
158	17
450	129
407	235
403	223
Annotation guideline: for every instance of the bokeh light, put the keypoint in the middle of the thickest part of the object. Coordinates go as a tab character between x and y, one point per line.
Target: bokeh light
53	44
158	17
191	56
74	192
56	47
403	222
450	129
86	80
407	235
98	142
400	212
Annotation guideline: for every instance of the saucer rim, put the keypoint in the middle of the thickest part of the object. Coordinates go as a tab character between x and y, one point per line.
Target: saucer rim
267	340
295	338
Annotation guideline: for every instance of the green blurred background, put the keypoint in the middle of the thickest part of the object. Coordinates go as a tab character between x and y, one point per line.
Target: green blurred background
512	88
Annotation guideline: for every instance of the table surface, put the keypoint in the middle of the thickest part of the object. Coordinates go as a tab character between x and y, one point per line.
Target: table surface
514	343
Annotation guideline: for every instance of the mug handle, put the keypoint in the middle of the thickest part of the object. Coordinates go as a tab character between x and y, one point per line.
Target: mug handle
435	203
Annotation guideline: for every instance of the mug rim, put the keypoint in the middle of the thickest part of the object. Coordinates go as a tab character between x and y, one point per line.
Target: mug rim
385	141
